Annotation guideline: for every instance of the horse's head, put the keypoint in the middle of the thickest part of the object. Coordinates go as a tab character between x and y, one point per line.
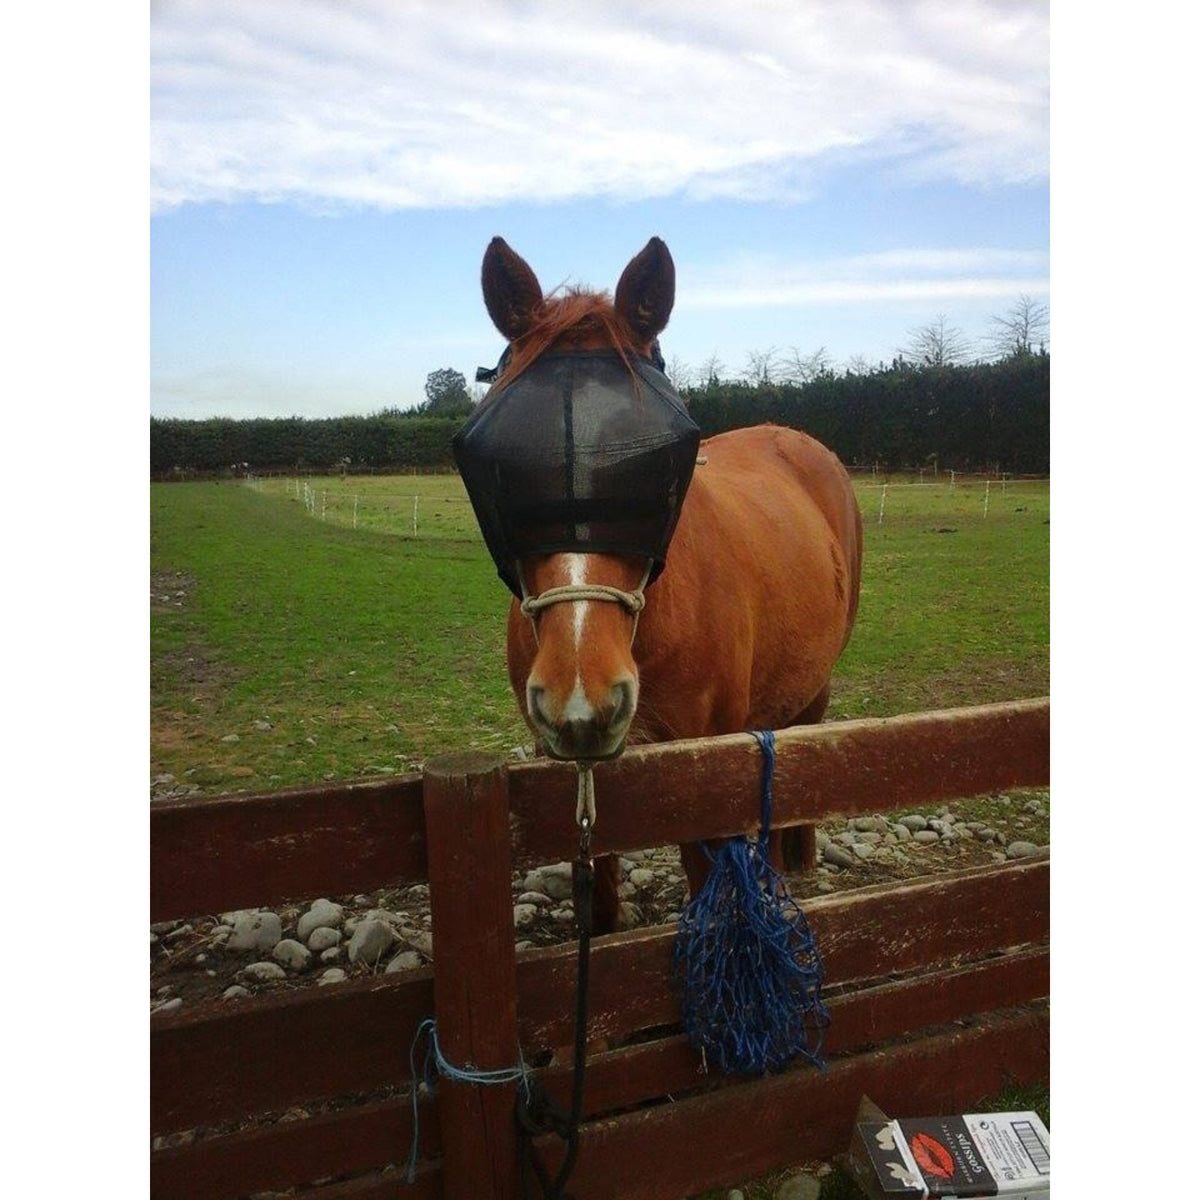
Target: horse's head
571	650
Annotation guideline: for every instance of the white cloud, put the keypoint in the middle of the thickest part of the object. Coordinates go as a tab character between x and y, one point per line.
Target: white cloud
405	105
902	275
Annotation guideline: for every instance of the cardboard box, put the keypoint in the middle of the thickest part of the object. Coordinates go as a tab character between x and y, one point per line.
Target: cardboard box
972	1154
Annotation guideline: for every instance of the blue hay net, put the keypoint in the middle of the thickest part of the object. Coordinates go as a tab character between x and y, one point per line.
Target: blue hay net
749	966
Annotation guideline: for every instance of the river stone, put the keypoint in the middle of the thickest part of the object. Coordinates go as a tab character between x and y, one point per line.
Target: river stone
926	836
167	1005
322	914
232	993
540	899
406	960
322	938
914	822
292	954
641	877
332	955
865	824
871	838
864	849
419	940
1021	849
839	857
255	931
901	832
386	914
333	975
371	939
263	971
799	1187
524	914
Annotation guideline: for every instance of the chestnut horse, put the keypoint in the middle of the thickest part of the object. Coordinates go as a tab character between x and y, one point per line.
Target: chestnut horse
758	596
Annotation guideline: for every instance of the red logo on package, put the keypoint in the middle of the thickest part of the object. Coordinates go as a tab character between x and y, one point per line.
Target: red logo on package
932	1157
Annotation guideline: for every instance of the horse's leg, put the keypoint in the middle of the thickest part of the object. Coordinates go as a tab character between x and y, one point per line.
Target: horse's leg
797	846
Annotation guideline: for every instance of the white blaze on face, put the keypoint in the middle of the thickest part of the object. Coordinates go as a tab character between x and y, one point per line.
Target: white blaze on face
578	707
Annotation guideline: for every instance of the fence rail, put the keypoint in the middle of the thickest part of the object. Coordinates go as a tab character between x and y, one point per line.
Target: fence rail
903	962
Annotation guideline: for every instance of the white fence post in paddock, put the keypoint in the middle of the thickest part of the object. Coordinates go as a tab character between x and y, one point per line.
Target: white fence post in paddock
882	502
324	499
952	480
355	512
987	493
416	501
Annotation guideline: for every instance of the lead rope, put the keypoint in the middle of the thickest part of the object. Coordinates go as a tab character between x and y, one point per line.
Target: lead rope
536	1113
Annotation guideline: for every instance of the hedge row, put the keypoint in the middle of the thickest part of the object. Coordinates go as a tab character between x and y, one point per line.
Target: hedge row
987	416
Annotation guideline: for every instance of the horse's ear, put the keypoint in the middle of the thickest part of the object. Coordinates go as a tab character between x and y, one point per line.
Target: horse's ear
646	290
510	289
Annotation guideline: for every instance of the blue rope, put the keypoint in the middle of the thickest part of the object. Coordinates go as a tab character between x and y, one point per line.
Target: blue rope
749	966
437	1062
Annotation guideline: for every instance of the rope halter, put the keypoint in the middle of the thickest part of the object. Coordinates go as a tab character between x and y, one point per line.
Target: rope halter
568	593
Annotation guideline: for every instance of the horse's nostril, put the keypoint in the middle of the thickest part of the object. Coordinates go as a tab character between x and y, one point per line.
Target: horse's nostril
622	698
535	704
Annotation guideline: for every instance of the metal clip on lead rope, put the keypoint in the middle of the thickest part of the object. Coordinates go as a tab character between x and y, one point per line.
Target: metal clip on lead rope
585	804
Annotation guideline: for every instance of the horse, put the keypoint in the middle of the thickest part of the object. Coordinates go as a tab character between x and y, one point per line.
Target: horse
758	595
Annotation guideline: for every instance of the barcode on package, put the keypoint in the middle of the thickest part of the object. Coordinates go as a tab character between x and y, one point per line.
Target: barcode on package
1033	1146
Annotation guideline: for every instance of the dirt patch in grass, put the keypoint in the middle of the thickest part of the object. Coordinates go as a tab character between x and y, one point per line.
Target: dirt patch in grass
170	591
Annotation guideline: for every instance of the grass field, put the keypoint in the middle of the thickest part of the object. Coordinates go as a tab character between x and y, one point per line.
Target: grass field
296	639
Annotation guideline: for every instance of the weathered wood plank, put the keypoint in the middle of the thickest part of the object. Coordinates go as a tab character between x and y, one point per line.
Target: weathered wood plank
233	1059
474	970
228	852
863	934
370	1136
710	788
201	1073
360	1139
747	1129
386	1185
669	1066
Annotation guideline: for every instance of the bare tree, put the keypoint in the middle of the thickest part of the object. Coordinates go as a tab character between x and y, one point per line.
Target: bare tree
679	373
804	368
1021	330
937	344
711	368
857	364
761	366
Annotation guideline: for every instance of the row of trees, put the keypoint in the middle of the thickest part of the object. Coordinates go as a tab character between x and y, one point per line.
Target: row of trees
1020	332
901	416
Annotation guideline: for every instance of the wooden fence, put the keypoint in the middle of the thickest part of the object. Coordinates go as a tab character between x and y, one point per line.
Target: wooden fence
936	987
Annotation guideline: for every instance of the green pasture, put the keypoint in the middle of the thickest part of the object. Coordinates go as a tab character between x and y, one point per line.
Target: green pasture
334	628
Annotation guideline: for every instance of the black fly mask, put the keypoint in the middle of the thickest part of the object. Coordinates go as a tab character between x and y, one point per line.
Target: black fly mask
583	452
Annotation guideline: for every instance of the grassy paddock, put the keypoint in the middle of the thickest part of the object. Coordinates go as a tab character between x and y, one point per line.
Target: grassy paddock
289	647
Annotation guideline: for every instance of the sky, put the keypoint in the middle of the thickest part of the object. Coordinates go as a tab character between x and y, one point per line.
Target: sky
324	180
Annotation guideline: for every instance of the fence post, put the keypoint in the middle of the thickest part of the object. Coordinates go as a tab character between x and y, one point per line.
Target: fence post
474	969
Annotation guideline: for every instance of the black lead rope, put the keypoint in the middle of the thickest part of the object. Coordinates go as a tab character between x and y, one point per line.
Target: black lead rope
536	1112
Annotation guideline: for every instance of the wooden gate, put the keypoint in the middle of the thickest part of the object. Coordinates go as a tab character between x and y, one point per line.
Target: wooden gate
936	987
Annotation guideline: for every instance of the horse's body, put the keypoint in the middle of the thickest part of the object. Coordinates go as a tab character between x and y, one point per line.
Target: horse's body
743	627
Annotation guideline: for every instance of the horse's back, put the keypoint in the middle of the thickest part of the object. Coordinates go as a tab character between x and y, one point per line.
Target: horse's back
764	573
745	462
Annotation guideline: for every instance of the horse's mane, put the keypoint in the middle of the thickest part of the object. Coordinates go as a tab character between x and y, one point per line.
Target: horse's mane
579	313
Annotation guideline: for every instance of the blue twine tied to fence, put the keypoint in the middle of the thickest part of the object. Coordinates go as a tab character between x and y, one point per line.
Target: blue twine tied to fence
436	1061
749	965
